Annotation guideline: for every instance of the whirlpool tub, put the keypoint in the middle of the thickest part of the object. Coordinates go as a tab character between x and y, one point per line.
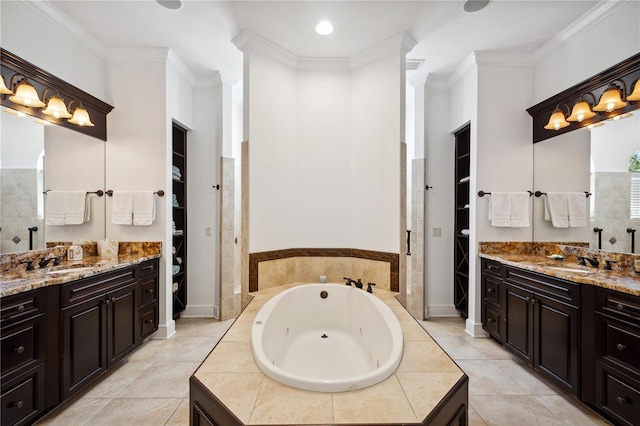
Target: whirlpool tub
326	338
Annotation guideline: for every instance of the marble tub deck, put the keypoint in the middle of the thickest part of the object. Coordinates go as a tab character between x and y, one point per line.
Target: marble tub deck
424	376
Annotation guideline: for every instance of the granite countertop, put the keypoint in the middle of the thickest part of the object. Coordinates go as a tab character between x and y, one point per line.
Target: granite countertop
618	279
19	280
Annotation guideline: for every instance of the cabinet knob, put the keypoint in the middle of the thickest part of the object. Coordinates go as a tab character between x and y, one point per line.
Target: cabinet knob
18	404
107	302
19	349
622	400
528	299
621	347
534	301
149	290
620	307
20	308
489	290
149	321
490	320
113	300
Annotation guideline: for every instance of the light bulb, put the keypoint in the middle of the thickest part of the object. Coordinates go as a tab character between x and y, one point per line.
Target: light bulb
324	28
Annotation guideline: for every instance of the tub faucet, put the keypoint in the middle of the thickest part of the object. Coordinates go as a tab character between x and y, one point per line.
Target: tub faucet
359	283
349	281
592	261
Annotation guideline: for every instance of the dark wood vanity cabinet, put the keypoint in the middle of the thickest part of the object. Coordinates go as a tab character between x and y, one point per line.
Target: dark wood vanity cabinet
537	318
617	355
23	361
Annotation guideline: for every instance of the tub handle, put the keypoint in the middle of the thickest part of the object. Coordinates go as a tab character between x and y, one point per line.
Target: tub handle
369	289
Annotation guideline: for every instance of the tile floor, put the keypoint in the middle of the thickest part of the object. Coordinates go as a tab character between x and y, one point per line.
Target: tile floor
151	387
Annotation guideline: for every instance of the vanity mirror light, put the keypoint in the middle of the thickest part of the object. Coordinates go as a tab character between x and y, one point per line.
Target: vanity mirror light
594	160
41	152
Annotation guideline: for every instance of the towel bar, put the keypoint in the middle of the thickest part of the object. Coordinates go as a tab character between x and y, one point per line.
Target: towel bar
540	194
482	194
99	192
159	193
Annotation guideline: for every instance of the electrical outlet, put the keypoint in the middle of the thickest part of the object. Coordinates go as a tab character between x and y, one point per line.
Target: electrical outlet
436	232
207	232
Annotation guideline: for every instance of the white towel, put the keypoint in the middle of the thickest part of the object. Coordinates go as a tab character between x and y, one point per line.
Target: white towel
144	208
500	209
122	208
577	207
520	209
556	209
67	208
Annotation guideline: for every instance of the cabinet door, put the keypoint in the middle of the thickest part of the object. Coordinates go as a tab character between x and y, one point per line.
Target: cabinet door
518	336
122	312
84	344
556	341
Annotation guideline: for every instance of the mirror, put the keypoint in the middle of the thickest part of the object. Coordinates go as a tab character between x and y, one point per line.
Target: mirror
597	161
73	161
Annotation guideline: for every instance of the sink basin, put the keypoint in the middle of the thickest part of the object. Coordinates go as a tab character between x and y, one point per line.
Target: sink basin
571	270
67	270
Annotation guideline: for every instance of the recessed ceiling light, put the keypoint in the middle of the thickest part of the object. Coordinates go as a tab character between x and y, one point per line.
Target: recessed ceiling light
170	4
475	5
324	28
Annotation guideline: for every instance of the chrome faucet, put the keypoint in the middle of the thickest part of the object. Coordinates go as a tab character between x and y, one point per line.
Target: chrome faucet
593	261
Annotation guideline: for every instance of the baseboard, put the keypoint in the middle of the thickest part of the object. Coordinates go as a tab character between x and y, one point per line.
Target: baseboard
216	312
199	311
434	311
474	329
165	331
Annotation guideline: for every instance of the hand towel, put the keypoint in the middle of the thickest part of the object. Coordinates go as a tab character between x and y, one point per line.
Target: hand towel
577	207
520	209
556	209
500	209
122	208
144	208
67	208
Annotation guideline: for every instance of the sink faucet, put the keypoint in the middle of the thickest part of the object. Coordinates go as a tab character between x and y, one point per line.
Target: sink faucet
592	261
45	261
29	263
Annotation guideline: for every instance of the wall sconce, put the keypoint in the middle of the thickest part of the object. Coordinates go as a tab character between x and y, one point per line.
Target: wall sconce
557	120
611	99
635	95
80	115
24	93
55	107
582	109
4	90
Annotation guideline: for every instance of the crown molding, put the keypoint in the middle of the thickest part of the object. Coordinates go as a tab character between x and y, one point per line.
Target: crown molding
248	40
175	63
438	82
418	81
467	65
599	12
68	26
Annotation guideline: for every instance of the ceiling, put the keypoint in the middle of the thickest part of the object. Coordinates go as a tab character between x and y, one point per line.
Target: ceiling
200	33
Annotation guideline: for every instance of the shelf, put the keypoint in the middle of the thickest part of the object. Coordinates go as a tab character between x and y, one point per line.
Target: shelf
179	213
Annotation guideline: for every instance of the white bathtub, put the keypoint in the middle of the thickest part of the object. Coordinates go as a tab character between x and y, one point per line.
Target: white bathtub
347	341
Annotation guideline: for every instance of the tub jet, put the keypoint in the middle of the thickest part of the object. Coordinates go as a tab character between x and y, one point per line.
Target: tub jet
324	336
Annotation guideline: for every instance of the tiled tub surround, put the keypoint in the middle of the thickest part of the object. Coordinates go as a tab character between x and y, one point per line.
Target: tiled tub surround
274	268
241	391
535	257
14	277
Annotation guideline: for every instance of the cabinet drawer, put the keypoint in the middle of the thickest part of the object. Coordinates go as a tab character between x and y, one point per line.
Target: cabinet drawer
148	268
493	322
86	289
21	305
618	305
491	267
621	344
492	290
23	398
620	397
554	288
149	291
22	344
148	322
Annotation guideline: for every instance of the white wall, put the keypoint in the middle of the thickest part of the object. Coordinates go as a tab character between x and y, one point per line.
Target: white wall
21	142
613	144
